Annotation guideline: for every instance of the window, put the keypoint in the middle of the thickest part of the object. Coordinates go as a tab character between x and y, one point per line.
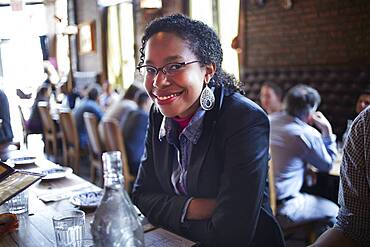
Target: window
223	16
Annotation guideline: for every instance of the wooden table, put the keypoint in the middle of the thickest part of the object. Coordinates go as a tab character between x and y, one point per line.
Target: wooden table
36	227
335	170
327	183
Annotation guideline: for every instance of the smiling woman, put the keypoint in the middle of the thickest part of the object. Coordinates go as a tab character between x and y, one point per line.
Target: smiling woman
199	170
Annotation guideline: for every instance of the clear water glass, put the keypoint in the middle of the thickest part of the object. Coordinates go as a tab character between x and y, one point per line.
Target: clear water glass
18	204
69	228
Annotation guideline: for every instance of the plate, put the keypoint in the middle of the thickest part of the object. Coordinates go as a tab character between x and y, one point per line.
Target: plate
56	172
22	160
87	199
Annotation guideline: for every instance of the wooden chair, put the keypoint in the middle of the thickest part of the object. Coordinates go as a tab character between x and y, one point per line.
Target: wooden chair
71	142
114	142
95	147
50	133
272	188
26	132
308	227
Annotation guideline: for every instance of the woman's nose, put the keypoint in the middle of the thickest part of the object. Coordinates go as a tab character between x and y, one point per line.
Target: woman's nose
160	80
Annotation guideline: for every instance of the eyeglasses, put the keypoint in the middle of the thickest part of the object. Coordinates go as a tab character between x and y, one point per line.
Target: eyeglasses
170	69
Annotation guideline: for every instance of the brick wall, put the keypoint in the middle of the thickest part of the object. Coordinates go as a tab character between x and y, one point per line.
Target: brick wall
312	32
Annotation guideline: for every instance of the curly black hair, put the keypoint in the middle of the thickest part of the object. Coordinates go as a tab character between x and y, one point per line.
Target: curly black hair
202	41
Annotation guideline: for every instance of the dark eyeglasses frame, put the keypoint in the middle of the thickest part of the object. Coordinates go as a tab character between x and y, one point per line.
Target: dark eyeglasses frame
164	71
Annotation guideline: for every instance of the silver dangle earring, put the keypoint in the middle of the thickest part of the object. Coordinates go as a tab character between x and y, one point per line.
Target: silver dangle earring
207	98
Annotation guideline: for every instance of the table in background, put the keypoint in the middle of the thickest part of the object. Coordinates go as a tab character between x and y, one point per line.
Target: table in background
327	184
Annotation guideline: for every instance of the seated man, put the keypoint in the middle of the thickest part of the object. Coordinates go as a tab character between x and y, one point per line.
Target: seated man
88	104
294	144
352	227
6	133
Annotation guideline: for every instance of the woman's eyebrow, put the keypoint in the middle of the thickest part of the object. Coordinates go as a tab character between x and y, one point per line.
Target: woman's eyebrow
173	58
169	59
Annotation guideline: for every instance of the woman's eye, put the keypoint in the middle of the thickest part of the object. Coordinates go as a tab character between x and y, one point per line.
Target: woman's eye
150	70
175	66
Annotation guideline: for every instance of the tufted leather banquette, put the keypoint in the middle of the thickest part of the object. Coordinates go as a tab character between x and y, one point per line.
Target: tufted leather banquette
339	87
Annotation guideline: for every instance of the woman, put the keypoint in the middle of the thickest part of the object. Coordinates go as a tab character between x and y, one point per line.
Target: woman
271	97
203	174
34	123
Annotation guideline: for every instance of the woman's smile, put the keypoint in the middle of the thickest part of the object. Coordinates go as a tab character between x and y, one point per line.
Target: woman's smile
163	99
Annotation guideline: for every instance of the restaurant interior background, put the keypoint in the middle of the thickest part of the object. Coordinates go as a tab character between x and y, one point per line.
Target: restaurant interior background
324	44
321	43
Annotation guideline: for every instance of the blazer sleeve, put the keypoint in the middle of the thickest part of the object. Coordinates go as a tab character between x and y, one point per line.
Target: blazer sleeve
243	182
162	208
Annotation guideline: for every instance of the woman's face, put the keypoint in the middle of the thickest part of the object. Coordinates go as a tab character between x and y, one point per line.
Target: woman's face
176	94
362	102
270	102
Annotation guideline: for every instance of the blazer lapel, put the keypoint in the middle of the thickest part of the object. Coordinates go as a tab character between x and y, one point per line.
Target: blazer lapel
198	154
164	155
200	150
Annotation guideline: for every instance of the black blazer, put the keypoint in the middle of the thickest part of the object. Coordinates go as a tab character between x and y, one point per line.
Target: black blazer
228	163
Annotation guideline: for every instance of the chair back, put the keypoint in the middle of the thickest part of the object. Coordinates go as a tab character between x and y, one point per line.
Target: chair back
308	228
114	142
48	128
91	124
95	145
24	126
71	140
47	122
23	120
272	187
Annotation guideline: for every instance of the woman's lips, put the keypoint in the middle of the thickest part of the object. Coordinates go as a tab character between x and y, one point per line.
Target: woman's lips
166	99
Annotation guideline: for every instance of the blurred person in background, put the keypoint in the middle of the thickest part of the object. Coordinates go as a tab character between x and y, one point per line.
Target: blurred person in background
88	104
363	100
127	102
294	144
34	123
109	96
134	130
68	94
271	97
6	132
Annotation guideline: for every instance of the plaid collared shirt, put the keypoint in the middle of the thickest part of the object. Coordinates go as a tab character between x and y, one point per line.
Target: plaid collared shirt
183	143
354	189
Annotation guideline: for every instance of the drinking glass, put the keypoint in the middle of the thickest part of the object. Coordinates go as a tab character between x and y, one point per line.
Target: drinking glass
69	228
19	203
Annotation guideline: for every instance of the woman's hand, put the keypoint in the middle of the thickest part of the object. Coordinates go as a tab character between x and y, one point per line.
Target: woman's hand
200	209
8	223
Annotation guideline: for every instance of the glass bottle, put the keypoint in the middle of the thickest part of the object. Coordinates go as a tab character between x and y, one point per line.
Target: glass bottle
116	222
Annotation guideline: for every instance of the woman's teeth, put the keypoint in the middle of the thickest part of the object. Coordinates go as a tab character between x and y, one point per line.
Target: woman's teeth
167	97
